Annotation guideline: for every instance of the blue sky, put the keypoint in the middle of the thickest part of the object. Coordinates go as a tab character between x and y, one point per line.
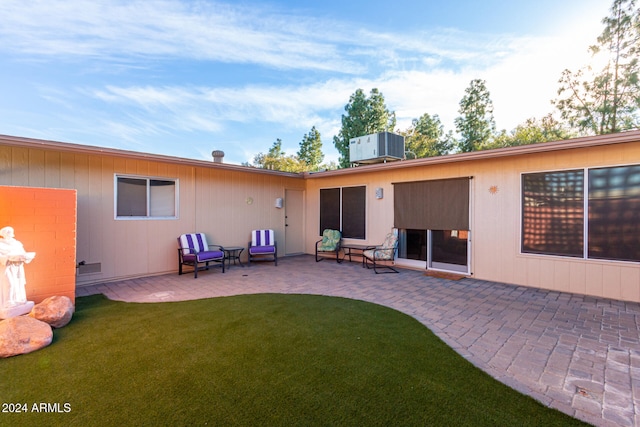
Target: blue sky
185	77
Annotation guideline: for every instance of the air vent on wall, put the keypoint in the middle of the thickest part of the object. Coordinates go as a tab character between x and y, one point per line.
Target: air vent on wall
93	268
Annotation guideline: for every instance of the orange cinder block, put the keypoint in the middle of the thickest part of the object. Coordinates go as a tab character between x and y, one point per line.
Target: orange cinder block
44	220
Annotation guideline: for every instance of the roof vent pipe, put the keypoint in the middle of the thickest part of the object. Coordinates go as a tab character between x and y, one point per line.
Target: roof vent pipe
217	156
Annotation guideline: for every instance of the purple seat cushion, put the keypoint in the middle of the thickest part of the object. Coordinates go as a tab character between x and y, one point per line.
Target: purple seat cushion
203	256
262	249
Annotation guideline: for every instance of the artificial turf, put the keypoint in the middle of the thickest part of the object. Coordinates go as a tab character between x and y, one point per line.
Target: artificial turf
269	359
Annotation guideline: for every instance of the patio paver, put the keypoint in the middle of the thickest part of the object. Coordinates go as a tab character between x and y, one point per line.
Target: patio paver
576	353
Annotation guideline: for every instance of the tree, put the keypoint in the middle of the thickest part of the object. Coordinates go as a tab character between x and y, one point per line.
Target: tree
276	150
364	116
426	137
276	159
476	124
606	101
532	131
311	150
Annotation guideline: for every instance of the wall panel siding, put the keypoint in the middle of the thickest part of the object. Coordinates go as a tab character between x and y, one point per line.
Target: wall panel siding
495	220
593	279
630	284
213	200
6	168
36	168
20	167
612	281
562	277
577	280
51	169
210	200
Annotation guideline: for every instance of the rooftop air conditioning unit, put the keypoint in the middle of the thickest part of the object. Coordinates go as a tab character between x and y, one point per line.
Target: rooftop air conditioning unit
376	148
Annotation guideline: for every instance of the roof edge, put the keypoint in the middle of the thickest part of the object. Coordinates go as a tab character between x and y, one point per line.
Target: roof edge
565	144
25	142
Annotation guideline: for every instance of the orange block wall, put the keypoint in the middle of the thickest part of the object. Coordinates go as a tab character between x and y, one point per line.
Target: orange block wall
44	220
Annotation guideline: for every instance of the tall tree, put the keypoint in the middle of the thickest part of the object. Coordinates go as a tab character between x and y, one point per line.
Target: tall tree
476	124
606	101
426	138
311	149
363	116
276	149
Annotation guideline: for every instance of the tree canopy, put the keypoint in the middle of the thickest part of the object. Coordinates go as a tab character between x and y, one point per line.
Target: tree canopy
311	150
426	137
532	131
308	158
607	100
276	159
363	116
476	124
590	102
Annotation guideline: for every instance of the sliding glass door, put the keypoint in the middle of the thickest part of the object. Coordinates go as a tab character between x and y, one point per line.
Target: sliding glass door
412	244
446	250
449	250
432	218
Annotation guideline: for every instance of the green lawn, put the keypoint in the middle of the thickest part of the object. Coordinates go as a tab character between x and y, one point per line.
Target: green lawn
255	360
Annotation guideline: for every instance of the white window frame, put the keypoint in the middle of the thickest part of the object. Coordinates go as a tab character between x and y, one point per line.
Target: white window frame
148	180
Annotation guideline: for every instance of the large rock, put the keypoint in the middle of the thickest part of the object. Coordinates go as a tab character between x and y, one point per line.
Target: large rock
56	311
23	334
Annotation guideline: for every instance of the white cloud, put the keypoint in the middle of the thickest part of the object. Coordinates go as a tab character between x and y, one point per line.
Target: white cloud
122	31
322	62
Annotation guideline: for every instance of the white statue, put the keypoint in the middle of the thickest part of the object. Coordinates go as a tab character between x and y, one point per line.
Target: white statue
12	258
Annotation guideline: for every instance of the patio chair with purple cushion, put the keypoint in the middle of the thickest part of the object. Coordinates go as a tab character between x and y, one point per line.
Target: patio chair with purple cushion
193	250
263	246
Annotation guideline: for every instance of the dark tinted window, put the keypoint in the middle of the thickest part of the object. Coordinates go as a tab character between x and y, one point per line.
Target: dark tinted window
614	213
329	209
553	213
353	212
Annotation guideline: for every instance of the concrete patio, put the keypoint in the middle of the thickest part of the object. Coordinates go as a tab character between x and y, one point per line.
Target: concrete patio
575	353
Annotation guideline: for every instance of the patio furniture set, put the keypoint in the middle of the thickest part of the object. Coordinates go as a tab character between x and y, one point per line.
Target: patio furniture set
379	257
195	251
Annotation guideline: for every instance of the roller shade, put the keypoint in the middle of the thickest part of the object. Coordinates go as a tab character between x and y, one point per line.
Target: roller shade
441	204
329	209
354	203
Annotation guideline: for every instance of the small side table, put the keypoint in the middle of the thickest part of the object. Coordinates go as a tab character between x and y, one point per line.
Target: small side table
349	249
233	253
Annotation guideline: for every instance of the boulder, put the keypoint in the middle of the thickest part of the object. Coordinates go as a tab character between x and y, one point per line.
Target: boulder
56	311
23	334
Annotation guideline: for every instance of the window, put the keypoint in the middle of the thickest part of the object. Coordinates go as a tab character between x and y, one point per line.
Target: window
614	213
330	209
553	213
145	198
556	220
344	209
